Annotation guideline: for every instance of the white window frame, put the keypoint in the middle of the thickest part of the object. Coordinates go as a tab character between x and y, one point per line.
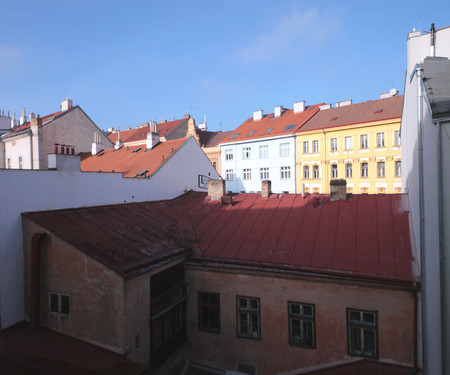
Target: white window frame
229	155
397	140
229	174
364	141
349	143
59	310
285	149
333	144
381	169
348	170
247	174
364	169
285	173
264	173
306	147
306	172
246	153
247	316
315	145
263	152
380	140
334	171
398	168
316	171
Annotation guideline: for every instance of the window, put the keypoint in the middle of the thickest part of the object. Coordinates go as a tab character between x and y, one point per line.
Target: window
228	154
263	152
246	152
285	173
20	162
306	171
333	144
315	171
381	169
284	149
235	135
380	139
348	143
315	146
264	173
362	333
9	163
364	141
397	138
289	127
209	312
364	170
269	130
306	147
59	304
301	325
248	317
229	174
348	170
398	168
334	171
250	133
247	174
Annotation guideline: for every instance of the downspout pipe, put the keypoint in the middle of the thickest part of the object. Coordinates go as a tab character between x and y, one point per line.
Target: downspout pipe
418	71
35	303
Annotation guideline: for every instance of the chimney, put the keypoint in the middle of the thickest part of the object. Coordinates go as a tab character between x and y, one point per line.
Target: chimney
35	121
153	139
23	118
266	186
32	115
343	103
216	189
13	121
392	92
324	106
66	104
164	120
258	115
119	142
299	107
202	126
338	189
278	111
96	145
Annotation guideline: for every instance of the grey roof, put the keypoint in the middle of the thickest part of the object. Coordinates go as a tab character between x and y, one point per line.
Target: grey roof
437	84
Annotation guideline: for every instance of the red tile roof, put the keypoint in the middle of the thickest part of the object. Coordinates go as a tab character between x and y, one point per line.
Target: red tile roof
131	160
373	110
140	134
251	129
23	352
366	237
217	138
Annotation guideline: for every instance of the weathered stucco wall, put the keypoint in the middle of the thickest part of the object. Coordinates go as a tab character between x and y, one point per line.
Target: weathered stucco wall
224	350
96	293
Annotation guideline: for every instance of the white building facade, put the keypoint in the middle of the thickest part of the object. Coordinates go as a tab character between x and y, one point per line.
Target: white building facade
425	134
32	190
245	164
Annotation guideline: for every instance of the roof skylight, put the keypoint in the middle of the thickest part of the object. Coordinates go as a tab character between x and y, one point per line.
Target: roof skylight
289	127
269	130
137	149
251	132
235	135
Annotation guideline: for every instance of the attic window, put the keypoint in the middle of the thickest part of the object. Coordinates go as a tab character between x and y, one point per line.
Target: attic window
251	132
289	127
333	119
142	173
250	119
272	116
269	130
100	154
166	130
235	135
378	111
136	150
311	108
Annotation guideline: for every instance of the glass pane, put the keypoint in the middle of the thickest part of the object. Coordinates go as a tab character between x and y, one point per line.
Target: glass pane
214	299
243	303
355	316
204	298
308	311
254	304
243	324
369	318
355	341
308	334
168	327
295	309
204	312
54	303
369	342
255	325
296	333
156	332
65	305
214	316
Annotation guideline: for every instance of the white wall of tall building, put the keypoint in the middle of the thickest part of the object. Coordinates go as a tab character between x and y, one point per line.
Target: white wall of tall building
274	162
418	45
32	190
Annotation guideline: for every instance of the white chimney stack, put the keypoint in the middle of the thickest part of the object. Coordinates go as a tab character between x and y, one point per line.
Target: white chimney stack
153	139
299	107
258	115
23	118
324	106
278	111
344	103
66	104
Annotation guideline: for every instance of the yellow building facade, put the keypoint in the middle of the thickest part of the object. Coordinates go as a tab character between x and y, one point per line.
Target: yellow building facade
366	154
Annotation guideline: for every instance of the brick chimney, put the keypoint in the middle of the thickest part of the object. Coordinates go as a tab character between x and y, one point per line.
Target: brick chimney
266	186
338	189
216	189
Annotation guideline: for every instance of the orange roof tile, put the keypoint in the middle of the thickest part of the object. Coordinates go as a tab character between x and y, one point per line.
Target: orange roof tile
131	160
140	134
270	126
372	110
45	120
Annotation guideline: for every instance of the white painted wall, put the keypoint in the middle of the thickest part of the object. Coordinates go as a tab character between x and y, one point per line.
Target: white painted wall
274	162
418	49
33	190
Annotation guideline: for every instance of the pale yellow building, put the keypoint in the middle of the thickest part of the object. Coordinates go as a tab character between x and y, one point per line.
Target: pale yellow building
357	142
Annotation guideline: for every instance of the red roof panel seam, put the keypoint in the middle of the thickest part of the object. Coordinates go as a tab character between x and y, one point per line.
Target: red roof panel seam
299	229
315	237
284	224
335	233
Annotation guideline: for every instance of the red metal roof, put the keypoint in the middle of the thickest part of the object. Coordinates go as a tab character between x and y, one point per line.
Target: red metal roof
23	352
372	110
217	138
365	237
140	134
251	129
130	161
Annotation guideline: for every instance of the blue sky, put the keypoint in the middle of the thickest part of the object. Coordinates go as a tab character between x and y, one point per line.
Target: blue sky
128	62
